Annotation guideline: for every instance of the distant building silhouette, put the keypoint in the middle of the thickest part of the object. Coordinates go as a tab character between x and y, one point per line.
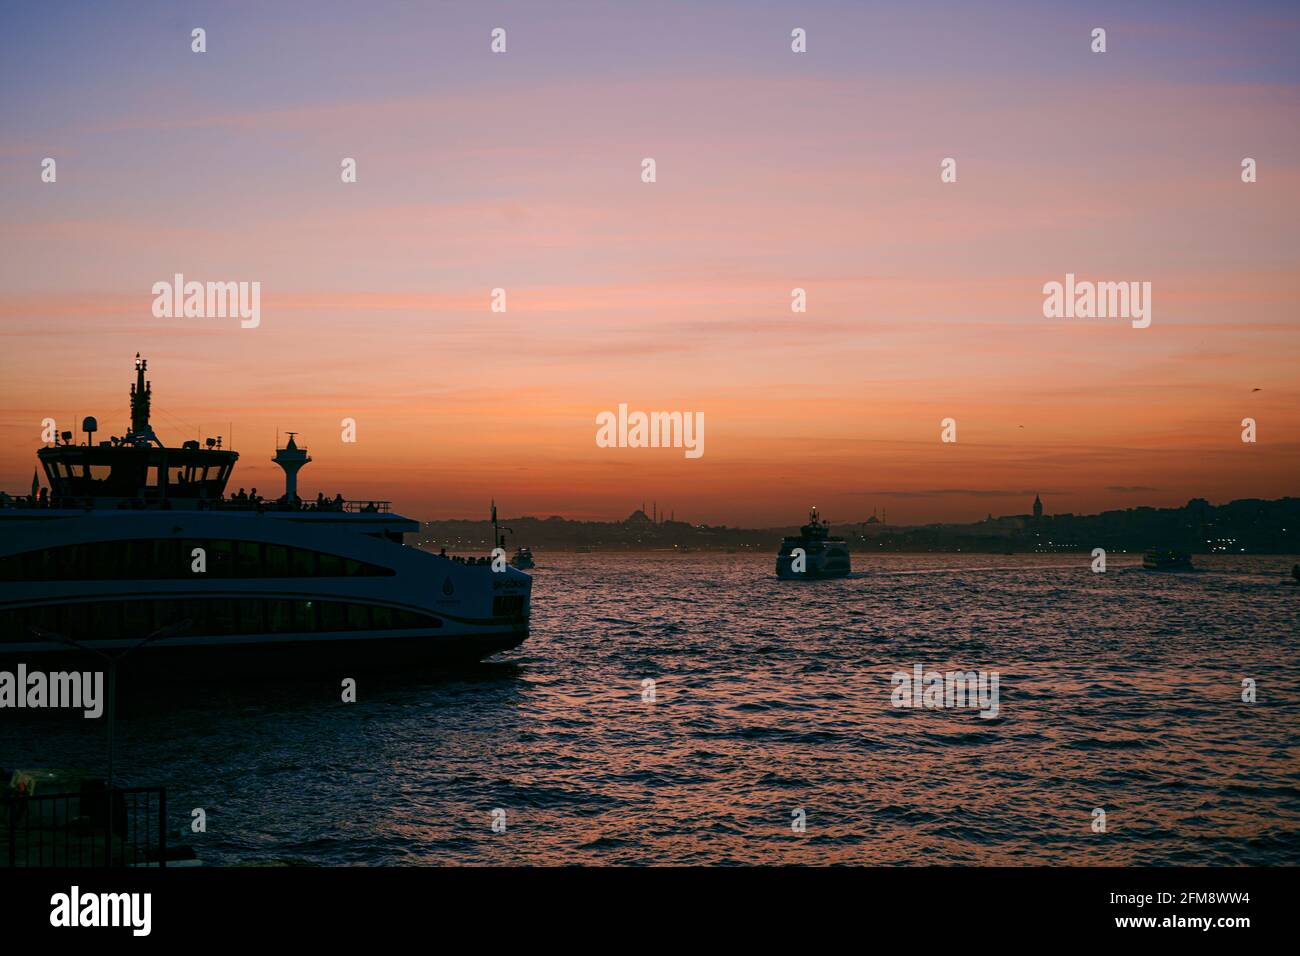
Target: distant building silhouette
1038	507
1243	526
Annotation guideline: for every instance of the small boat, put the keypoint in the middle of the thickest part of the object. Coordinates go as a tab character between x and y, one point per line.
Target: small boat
820	555
522	559
1162	560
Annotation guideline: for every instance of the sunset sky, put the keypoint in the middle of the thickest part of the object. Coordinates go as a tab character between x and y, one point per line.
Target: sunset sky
775	170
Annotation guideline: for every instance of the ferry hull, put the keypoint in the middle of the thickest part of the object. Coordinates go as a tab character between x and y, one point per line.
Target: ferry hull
413	608
785	572
250	660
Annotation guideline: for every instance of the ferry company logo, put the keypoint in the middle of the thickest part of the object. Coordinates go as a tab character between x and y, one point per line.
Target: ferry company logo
1098	300
76	690
651	430
946	689
208	300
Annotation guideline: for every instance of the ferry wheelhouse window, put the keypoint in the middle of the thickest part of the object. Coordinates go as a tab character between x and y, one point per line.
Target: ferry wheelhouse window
173	558
136	472
108	620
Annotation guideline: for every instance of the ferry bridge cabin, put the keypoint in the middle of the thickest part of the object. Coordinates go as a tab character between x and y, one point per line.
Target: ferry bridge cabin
138	470
137	467
147	474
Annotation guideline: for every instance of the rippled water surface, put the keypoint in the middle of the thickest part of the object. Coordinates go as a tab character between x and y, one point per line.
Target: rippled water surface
1119	691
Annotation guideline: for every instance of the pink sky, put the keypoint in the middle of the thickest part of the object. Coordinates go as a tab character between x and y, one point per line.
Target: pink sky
522	172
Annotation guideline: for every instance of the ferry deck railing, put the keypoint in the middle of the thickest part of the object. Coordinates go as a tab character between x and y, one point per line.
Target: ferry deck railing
200	504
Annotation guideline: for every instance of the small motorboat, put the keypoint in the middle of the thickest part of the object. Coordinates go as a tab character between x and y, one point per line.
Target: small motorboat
522	559
1162	560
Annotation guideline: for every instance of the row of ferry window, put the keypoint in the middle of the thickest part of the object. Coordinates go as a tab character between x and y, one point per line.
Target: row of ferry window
151	559
207	616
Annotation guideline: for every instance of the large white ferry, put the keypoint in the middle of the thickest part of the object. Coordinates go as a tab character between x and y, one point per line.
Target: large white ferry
134	543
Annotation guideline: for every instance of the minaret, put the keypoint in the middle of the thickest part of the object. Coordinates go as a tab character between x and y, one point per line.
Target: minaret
1038	507
291	458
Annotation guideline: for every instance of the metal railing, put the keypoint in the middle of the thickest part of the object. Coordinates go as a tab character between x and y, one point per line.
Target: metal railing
361	506
49	503
123	826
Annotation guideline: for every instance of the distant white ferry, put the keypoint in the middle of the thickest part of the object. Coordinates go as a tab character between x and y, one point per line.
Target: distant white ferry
135	541
823	556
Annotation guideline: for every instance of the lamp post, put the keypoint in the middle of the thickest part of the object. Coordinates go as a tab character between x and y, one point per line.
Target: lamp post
171	630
